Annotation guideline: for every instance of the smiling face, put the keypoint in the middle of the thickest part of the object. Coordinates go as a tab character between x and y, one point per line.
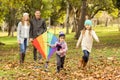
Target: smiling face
26	18
62	38
88	27
37	14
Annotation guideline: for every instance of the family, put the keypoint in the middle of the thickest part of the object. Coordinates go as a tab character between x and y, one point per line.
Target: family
28	30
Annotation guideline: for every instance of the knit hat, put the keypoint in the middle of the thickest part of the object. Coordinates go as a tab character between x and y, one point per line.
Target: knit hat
61	34
25	14
88	22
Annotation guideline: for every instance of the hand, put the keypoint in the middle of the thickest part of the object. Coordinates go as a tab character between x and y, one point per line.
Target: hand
48	44
31	39
61	51
76	47
18	42
98	41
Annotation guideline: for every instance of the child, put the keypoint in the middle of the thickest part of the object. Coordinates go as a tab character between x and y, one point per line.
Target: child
23	35
86	39
61	46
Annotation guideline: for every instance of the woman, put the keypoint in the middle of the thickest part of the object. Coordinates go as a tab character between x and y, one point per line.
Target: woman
23	35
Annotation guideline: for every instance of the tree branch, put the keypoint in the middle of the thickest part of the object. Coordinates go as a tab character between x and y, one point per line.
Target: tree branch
95	12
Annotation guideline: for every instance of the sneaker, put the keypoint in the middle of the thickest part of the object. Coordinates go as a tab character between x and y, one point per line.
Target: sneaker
57	71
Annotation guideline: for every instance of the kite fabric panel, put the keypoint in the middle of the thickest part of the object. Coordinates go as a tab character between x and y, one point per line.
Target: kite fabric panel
40	43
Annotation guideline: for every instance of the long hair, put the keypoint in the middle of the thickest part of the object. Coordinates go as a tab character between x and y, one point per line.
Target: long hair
84	29
23	21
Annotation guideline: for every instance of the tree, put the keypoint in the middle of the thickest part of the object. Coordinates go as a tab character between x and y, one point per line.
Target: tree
9	12
75	13
91	8
82	18
116	3
94	6
67	16
12	10
58	12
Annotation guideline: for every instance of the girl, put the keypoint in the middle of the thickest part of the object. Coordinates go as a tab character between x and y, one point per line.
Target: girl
23	35
86	39
62	48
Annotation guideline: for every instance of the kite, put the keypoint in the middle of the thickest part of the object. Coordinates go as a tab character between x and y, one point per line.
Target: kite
40	43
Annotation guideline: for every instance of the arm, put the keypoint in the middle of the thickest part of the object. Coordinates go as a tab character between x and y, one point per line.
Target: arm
52	45
95	36
44	26
79	40
18	32
31	30
65	49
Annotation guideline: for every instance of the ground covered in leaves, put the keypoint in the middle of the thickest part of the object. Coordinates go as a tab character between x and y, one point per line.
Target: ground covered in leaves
104	62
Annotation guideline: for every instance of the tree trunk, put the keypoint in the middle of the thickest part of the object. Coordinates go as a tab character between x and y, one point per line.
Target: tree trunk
67	19
74	29
82	18
11	21
98	21
49	22
9	30
119	20
106	22
119	24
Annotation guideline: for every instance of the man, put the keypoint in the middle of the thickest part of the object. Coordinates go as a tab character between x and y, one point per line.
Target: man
38	27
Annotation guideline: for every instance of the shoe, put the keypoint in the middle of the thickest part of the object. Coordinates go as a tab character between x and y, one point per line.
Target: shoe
46	70
84	64
21	58
58	69
80	64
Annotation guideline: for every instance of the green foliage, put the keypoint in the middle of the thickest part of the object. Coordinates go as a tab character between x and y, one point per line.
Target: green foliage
94	6
75	3
116	3
58	11
115	12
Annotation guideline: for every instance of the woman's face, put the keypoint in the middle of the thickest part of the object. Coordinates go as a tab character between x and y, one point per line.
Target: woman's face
62	38
26	18
87	27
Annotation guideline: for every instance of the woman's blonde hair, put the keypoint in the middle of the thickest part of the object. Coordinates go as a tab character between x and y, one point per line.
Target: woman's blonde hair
23	21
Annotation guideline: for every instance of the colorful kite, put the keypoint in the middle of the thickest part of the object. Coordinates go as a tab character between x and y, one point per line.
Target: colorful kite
41	44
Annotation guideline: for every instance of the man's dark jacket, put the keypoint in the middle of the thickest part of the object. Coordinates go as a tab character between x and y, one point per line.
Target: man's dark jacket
37	27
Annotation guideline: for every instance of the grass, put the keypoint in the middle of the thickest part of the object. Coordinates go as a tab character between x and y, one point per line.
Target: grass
108	47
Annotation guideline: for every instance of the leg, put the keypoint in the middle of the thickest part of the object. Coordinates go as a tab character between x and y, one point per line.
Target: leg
34	53
85	57
58	62
80	64
21	52
23	57
39	56
20	58
25	46
62	62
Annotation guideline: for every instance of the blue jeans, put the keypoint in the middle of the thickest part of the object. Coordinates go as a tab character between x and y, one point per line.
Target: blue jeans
23	46
86	55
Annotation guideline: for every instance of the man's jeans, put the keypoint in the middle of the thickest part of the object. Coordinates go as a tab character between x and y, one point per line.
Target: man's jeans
35	54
